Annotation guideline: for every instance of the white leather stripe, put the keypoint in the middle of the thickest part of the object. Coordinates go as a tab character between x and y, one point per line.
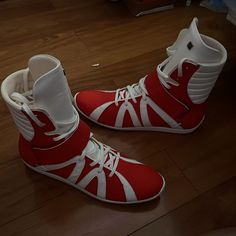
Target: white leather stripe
121	113
170	121
58	166
144	113
203	81
212	69
99	110
23	124
88	178
129	192
75	174
198	91
130	160
199	99
101	186
197	85
200	86
198	80
203	74
101	189
199	96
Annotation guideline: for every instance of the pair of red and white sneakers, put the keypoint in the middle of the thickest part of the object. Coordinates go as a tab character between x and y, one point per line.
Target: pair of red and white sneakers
54	141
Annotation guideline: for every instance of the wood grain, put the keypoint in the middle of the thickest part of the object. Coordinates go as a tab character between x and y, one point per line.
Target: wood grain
199	168
214	209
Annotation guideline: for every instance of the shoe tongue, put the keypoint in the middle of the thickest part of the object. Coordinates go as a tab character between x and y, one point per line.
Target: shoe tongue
90	147
193	48
50	90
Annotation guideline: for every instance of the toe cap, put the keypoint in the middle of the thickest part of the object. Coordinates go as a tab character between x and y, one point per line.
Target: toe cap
146	182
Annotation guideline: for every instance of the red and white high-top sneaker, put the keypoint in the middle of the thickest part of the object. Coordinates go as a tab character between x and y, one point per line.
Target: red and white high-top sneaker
55	142
172	99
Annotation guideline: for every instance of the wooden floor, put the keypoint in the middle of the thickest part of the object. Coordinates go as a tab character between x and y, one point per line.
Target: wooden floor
200	168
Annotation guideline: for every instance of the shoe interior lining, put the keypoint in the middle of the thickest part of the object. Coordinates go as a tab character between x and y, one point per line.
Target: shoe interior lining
14	83
38	66
215	44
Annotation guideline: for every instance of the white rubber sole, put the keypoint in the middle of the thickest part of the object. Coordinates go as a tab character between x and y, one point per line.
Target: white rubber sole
56	177
153	128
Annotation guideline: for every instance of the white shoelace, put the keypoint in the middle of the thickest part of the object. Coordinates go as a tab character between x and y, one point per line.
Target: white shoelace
25	103
26	100
131	91
105	156
164	78
134	90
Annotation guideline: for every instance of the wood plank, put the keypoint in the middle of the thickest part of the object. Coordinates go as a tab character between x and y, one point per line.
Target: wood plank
213	210
73	213
208	157
25	191
81	33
